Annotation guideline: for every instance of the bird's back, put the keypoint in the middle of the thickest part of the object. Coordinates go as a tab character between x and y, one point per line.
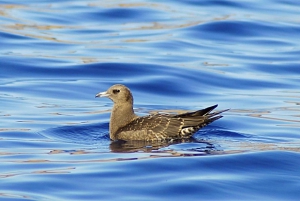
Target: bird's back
167	126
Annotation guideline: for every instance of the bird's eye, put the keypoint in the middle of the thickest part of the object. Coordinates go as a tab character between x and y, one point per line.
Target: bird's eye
115	91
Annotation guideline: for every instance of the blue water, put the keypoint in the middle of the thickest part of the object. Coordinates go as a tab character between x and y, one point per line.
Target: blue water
175	56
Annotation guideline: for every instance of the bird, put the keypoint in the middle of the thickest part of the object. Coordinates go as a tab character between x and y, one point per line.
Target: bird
125	125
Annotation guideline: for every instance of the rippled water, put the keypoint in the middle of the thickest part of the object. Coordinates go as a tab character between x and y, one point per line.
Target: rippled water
175	56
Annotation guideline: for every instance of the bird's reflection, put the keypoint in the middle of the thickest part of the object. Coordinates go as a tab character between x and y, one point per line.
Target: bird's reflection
144	146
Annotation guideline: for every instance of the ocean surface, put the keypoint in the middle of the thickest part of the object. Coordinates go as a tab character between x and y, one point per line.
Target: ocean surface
175	56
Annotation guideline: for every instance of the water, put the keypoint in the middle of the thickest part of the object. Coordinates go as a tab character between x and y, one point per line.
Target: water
175	56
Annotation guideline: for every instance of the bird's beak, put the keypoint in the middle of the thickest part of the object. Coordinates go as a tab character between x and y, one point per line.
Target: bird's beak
102	94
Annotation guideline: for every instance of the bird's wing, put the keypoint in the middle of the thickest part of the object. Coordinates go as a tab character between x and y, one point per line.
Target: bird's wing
200	118
168	126
152	127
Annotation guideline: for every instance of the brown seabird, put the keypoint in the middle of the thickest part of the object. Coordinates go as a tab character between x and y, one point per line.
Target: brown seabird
126	125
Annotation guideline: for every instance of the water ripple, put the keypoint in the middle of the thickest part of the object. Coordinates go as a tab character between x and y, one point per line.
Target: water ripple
175	56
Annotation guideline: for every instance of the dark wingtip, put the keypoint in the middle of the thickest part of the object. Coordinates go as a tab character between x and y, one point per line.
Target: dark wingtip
214	106
207	110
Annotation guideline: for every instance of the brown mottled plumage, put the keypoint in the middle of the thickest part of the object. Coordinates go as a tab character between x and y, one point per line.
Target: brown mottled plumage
125	125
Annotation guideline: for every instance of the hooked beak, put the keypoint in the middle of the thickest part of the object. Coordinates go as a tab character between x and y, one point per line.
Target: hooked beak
102	94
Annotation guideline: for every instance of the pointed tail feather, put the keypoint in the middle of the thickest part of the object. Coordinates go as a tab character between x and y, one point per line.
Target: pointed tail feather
215	116
210	120
216	113
201	117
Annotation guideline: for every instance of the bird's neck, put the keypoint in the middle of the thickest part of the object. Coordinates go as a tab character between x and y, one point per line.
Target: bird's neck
121	115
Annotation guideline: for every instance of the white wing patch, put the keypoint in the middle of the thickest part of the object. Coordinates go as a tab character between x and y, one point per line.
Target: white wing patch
188	130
